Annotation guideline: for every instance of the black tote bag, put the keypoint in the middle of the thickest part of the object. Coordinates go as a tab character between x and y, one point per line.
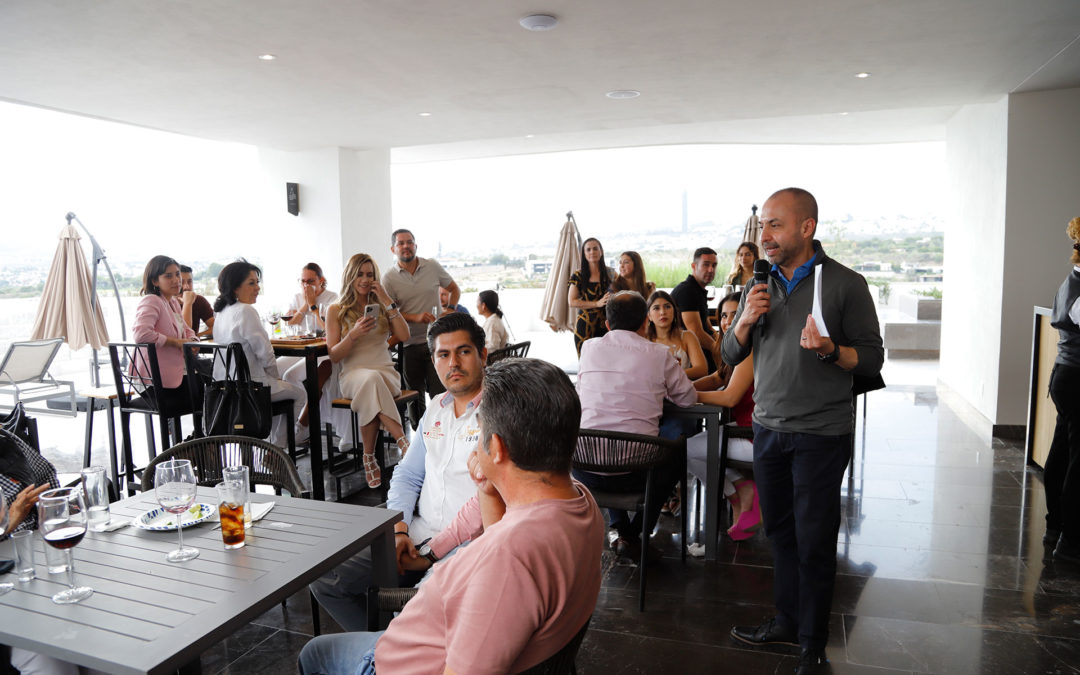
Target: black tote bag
237	405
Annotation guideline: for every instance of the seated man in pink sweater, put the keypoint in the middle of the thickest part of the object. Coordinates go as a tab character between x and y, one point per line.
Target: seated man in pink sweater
531	575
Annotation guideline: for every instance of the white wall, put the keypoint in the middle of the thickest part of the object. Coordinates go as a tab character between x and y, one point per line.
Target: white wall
976	153
344	209
1014	175
1043	181
288	242
366	212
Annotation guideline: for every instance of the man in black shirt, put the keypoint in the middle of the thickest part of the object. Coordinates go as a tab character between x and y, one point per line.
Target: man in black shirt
693	302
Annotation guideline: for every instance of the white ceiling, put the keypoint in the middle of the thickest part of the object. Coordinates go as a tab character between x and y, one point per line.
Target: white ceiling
356	73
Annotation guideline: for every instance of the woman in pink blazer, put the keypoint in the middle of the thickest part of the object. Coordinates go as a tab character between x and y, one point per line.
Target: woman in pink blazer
159	319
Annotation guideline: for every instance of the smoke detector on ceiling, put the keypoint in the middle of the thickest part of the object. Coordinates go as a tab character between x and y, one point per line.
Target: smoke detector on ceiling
538	22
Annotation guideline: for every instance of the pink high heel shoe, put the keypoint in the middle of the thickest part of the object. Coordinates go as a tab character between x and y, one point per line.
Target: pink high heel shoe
749	520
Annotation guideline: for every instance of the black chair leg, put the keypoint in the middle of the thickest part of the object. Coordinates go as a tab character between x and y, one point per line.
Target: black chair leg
151	444
128	464
316	620
644	541
89	431
290	430
682	511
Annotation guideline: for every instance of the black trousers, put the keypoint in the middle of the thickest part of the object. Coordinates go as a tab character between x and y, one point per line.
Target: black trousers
420	375
798	480
1061	475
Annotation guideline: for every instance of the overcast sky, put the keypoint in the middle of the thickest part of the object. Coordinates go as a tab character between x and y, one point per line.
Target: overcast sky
127	184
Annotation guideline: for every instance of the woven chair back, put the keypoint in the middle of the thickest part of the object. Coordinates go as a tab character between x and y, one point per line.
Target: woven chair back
269	465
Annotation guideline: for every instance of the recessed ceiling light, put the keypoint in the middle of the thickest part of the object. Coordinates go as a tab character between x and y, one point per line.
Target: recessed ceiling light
844	114
528	135
623	93
862	76
266	57
424	114
538	22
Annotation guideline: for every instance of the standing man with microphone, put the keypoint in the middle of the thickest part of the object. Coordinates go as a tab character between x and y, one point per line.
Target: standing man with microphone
802	412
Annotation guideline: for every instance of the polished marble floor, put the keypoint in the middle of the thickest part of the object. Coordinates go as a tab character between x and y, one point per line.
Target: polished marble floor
941	570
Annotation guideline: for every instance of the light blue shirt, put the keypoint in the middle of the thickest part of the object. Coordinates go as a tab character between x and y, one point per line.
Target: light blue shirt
800	273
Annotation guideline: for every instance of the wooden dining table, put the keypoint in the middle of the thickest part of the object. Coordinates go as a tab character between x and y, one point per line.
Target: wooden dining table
309	350
148	615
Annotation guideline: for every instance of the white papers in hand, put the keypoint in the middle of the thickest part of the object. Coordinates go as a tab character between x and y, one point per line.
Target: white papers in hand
819	320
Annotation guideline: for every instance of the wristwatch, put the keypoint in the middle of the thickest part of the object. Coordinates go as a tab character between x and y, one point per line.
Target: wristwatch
314	308
425	551
393	306
831	357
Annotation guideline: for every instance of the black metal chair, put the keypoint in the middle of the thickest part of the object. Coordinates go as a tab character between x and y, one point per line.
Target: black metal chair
617	452
384	601
203	368
518	350
138	394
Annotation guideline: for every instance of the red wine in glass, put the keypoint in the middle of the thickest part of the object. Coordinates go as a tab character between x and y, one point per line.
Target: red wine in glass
65	537
63	518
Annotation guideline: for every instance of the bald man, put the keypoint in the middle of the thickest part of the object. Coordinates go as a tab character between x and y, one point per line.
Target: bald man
802	413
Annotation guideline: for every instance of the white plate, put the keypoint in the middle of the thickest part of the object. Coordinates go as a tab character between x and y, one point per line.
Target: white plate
161	520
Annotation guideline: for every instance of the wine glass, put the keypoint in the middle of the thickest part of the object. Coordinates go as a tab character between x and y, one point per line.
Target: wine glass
7	585
273	318
174	488
62	520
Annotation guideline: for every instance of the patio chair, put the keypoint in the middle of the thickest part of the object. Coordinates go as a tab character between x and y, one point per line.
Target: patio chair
518	350
389	600
617	452
137	394
24	375
269	465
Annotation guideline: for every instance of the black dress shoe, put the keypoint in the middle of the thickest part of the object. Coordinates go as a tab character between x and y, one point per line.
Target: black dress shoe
1067	551
812	662
768	633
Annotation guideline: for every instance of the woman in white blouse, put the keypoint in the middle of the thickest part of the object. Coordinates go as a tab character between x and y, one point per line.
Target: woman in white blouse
487	305
235	320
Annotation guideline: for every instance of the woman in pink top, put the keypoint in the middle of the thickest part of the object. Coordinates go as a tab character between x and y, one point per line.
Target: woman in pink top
159	320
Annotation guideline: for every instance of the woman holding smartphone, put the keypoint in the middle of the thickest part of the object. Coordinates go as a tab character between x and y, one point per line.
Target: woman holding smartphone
357	328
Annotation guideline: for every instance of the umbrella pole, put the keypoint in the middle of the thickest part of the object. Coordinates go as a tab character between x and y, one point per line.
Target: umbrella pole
99	257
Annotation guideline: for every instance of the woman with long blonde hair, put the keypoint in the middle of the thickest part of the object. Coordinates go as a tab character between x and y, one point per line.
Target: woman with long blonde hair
357	328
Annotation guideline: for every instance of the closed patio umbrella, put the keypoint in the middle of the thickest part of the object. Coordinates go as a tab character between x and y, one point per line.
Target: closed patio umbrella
556	310
65	309
752	231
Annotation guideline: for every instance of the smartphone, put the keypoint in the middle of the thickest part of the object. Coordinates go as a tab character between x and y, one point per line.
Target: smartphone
371	310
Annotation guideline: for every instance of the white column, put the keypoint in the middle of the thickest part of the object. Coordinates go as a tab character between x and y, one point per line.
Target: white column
1013	173
344	208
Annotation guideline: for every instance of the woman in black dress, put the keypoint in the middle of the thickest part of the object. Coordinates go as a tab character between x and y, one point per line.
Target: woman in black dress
589	292
1061	475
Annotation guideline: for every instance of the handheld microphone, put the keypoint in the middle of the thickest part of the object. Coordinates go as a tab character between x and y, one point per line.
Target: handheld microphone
761	276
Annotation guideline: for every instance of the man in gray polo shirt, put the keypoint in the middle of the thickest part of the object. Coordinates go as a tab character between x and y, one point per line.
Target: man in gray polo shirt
802	413
414	284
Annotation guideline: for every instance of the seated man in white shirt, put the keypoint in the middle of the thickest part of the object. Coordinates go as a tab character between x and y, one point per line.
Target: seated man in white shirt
433	478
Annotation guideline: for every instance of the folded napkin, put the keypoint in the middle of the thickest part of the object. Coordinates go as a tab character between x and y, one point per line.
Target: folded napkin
258	511
116	523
